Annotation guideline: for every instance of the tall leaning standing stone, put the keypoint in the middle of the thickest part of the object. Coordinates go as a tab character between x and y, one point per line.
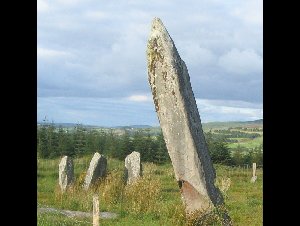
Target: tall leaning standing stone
66	172
96	170
180	122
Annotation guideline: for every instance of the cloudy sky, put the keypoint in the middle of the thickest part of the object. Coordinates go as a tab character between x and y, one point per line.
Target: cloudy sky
91	58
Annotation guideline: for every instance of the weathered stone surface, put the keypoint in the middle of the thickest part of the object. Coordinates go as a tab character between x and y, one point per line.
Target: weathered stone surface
133	167
66	172
96	170
180	121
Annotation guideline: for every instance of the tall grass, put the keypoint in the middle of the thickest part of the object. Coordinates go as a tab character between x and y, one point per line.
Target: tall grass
153	200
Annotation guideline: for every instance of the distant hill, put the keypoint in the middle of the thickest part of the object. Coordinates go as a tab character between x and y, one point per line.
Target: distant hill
206	126
259	121
133	126
72	125
67	125
232	124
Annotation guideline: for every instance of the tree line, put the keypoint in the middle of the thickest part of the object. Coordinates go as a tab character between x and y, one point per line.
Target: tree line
222	154
235	134
55	142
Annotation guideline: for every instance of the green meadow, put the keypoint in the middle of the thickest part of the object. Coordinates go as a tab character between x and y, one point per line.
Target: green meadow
154	200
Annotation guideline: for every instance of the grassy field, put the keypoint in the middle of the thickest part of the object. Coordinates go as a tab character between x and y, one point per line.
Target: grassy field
226	125
247	143
255	127
154	200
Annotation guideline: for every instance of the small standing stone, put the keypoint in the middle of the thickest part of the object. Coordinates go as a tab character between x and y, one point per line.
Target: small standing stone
254	177
97	169
133	167
66	172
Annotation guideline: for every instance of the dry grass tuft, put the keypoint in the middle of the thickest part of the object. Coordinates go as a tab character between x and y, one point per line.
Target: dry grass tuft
111	189
223	183
175	213
80	181
149	168
142	195
216	216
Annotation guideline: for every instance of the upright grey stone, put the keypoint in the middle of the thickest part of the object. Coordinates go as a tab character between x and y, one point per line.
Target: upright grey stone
66	172
180	121
133	167
96	170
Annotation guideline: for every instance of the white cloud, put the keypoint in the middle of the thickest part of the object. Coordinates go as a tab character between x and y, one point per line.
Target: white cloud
251	12
249	112
42	6
230	103
223	110
96	15
194	54
97	49
136	110
96	111
139	98
241	62
50	53
70	2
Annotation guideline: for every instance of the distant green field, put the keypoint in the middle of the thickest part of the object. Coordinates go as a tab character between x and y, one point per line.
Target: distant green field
156	200
248	143
225	125
243	127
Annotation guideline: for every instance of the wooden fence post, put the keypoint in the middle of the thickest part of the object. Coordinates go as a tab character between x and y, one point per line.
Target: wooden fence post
254	169
96	213
254	177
